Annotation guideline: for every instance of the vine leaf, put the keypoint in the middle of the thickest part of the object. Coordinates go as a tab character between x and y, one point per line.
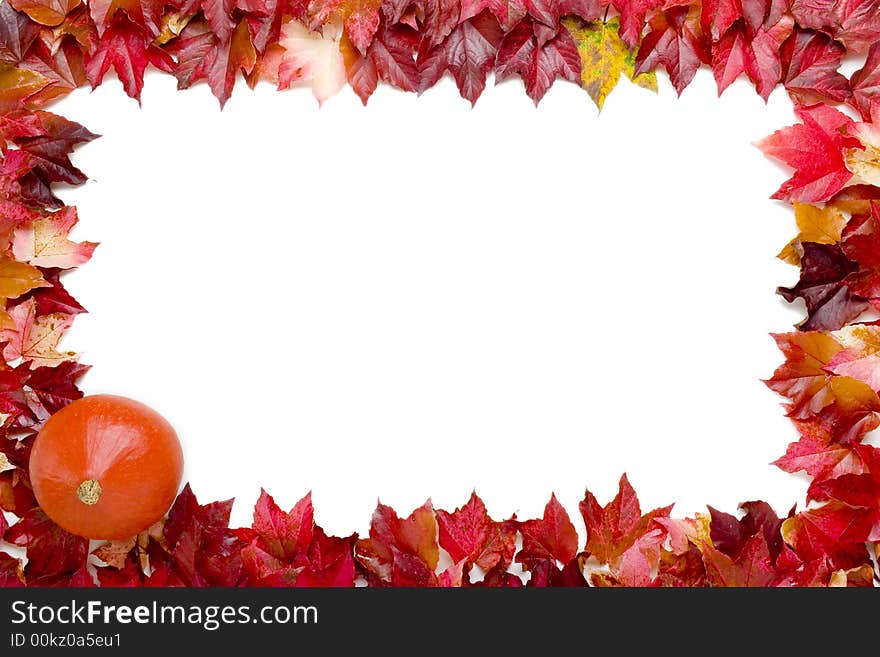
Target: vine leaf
129	52
468	53
675	42
526	51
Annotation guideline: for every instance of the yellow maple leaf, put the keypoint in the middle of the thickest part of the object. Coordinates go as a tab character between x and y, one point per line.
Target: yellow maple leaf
17	278
46	12
604	57
17	85
172	25
820	225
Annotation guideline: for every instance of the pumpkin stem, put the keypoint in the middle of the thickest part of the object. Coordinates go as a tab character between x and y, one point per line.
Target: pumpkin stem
89	492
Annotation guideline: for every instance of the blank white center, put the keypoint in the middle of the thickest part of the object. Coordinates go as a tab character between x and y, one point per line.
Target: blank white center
417	299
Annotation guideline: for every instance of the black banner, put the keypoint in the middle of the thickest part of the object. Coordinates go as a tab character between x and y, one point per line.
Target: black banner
419	621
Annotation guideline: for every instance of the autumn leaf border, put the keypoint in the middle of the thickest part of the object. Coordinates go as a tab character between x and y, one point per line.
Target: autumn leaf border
830	377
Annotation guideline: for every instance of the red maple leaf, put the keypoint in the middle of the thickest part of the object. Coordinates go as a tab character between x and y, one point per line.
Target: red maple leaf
823	287
815	534
498	577
63	64
201	549
18	181
263	569
810	68
17	33
526	51
54	556
853	22
469	534
202	56
49	139
860	360
11	571
675	42
861	244
818	455
126	48
12	399
330	561
16	495
829	437
47	390
400	541
620	536
838	529
551	538
284	536
408	570
130	575
468	53
54	298
815	150
865	84
802	377
78	25
614	528
544	574
679	569
731	535
853	515
752	567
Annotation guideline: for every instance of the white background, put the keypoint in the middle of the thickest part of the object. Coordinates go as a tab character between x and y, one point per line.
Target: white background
419	298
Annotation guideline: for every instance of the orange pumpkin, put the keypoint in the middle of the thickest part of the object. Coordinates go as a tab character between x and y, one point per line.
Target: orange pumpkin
106	467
